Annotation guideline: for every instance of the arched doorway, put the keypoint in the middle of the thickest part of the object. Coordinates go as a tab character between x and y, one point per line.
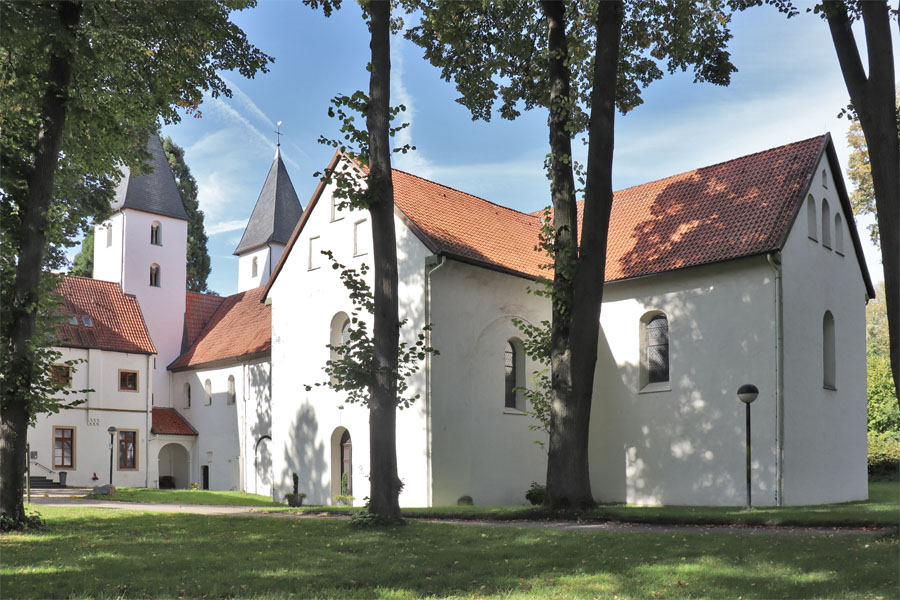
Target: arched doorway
262	463
174	466
341	462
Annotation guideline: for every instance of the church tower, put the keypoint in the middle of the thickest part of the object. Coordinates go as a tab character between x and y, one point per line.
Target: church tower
274	217
143	247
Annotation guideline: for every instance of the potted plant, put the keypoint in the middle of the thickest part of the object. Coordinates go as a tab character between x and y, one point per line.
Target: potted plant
295	499
344	498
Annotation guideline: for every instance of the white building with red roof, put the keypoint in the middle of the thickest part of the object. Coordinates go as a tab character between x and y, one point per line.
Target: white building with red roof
748	271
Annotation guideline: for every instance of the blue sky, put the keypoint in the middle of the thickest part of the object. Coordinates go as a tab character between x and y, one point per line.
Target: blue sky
788	88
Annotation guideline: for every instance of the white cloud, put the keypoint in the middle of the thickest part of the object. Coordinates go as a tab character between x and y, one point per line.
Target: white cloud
225	226
413	161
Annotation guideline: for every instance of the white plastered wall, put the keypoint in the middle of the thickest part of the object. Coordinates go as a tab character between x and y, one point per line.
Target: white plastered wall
825	429
128	261
306	424
266	258
106	406
227	432
686	445
480	448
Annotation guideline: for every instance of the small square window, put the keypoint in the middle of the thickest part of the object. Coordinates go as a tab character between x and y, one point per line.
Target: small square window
128	381
87	320
61	375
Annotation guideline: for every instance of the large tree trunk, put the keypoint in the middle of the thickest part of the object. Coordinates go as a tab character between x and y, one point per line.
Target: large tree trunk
584	327
385	490
568	481
874	99
32	242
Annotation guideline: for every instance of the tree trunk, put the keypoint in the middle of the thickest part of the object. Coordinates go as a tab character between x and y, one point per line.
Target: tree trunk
591	267
568	481
32	242
874	99
385	483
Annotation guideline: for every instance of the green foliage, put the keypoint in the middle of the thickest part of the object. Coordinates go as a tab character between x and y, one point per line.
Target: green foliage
352	369
345	484
536	494
83	263
884	454
131	67
32	520
882	405
859	169
197	254
296	483
496	53
369	520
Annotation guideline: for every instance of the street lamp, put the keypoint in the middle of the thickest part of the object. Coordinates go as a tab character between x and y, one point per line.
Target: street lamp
747	393
112	432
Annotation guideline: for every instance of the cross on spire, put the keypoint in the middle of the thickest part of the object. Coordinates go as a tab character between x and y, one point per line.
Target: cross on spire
278	135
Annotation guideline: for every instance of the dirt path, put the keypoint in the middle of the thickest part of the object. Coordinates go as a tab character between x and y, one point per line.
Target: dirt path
74	497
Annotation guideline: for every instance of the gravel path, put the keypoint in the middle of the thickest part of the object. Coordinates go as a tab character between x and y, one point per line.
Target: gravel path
75	497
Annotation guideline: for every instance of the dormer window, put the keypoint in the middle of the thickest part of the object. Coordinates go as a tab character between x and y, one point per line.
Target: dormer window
73	320
88	322
156	233
154	275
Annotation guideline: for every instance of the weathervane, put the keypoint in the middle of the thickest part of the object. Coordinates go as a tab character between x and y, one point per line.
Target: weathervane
278	134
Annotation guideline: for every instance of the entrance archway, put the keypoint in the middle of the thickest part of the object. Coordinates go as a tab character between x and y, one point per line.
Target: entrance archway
174	466
341	461
262	463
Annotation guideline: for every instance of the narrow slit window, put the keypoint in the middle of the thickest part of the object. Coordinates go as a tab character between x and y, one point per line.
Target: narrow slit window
360	239
156	234
838	234
207	392
155	276
828	352
826	224
232	396
811	219
315	256
255	267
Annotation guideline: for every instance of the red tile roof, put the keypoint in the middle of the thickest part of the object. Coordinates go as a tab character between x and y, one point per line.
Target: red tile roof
168	421
199	309
737	208
116	320
725	211
241	328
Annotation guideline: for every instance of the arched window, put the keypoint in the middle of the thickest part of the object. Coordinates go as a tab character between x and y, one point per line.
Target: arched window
338	335
828	358
207	392
514	375
255	267
811	220
187	395
838	234
824	179
654	349
155	278
232	396
826	224
156	233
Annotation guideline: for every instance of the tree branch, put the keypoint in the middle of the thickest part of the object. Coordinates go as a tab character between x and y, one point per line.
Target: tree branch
847	51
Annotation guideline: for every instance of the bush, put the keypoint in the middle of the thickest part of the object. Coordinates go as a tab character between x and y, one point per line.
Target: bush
884	455
536	493
33	520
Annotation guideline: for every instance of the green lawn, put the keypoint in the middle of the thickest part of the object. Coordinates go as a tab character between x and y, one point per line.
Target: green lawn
882	509
187	497
103	553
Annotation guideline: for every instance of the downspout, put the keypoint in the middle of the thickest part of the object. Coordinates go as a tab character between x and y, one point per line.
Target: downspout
148	423
435	262
775	262
242	432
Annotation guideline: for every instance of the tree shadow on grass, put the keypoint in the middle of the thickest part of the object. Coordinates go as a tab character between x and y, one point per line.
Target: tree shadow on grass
143	554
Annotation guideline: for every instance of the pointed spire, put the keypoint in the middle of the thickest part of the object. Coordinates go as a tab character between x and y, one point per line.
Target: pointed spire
277	210
154	192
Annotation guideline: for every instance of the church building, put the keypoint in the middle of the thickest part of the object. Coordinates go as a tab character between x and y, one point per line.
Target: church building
748	271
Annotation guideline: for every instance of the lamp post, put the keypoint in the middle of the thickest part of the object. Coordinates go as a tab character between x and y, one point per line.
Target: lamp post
112	432
747	393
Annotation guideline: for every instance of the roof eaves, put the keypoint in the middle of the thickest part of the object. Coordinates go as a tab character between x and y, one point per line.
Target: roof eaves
231	360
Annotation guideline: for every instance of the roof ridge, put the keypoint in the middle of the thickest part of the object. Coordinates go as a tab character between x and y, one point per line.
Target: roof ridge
519	212
718	164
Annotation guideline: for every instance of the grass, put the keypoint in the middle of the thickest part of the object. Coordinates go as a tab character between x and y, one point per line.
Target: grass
882	509
148	495
101	553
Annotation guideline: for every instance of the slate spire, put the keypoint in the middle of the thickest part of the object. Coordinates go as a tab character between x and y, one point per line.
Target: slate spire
154	192
277	210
